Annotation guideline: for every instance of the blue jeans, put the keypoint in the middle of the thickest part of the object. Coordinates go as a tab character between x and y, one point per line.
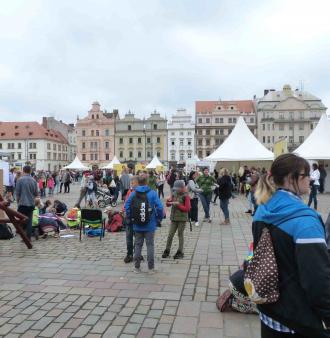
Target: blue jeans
205	200
224	207
139	239
312	196
129	237
27	211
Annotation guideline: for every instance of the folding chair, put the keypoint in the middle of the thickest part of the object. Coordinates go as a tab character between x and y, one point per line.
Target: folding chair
94	218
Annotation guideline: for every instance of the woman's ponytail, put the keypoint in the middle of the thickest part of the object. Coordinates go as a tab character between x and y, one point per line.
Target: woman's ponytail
265	189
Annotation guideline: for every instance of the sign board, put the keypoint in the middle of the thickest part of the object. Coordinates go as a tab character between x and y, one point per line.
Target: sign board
140	167
118	168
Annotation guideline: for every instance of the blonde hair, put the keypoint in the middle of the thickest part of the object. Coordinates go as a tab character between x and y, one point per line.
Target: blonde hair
265	189
223	171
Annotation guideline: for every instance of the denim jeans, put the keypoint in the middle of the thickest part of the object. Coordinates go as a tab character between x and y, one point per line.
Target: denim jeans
205	200
224	207
312	196
28	212
139	239
129	238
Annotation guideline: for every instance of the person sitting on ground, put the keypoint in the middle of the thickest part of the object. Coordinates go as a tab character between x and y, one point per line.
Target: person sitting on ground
35	217
180	203
46	207
144	209
60	208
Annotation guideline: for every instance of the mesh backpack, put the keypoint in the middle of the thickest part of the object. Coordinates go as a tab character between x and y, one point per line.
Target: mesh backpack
140	209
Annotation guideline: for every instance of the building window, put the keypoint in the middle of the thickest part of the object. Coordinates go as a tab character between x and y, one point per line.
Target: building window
181	156
221	132
155	126
301	115
121	155
181	133
106	145
33	156
48	146
91	156
189	141
93	116
19	156
290	126
60	147
207	131
97	132
200	154
301	139
181	142
200	132
139	140
83	145
268	139
148	154
158	139
172	156
189	133
221	119
264	139
131	140
172	142
312	126
172	133
291	139
281	127
217	141
32	146
217	132
148	139
158	153
207	153
92	132
139	154
121	141
0	145
95	157
301	126
48	156
291	115
263	126
84	157
107	157
200	120
106	132
129	127
234	120
281	116
83	133
189	154
54	147
251	120
217	120
200	142
130	154
207	120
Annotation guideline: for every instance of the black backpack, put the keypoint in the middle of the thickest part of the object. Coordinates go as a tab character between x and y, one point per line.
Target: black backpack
6	232
140	209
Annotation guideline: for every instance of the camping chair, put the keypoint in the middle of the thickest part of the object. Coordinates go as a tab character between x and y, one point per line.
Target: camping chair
94	218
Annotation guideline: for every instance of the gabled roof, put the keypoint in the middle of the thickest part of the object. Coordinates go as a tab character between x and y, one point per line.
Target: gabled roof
317	144
244	106
29	131
241	145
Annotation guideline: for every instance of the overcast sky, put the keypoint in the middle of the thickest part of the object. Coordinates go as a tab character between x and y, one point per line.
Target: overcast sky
58	56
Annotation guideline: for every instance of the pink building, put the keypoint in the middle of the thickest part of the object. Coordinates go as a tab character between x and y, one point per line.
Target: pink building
95	136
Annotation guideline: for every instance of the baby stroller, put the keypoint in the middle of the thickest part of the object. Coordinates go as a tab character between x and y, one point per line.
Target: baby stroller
104	198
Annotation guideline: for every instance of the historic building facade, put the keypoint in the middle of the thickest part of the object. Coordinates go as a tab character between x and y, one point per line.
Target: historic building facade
181	136
30	142
67	130
139	140
287	114
216	119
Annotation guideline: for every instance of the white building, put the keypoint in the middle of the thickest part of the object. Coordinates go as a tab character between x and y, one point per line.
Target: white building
181	136
22	142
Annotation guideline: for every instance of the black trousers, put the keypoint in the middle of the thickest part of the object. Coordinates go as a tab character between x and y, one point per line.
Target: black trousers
28	212
160	190
267	332
67	187
193	213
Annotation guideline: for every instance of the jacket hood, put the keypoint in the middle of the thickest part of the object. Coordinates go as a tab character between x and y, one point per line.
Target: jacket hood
142	188
283	206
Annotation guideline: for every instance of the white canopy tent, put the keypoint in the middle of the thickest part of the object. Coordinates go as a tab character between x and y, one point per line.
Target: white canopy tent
154	163
317	144
4	166
317	147
241	146
112	163
76	164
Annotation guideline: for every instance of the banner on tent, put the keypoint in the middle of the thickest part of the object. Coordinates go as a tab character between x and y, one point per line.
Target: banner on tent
281	147
118	168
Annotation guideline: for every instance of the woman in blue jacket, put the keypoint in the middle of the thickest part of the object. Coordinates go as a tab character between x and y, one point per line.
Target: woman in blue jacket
298	236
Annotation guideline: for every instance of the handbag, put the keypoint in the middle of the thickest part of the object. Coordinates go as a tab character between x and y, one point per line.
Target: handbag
261	276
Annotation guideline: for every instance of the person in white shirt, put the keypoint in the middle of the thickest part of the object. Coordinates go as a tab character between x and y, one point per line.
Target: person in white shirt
314	184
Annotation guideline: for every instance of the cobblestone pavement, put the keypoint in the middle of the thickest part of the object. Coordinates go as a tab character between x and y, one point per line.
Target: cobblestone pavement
64	288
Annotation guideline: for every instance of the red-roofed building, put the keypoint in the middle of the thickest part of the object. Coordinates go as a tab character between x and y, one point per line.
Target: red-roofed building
216	119
45	149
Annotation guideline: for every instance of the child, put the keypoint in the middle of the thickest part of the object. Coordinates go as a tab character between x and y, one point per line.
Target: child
143	208
35	217
91	191
50	185
129	225
46	207
180	202
41	187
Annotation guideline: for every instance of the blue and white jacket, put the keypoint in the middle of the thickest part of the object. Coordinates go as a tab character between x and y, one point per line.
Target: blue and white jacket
155	204
302	256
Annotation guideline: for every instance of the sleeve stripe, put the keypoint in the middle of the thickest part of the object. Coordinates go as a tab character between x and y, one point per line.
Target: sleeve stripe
310	240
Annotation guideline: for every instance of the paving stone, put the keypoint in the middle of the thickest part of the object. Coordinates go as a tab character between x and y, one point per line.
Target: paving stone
63	333
150	323
120	321
4	329
185	325
189	309
100	326
51	330
132	328
42	323
211	320
163	329
24	326
113	331
145	333
81	331
137	318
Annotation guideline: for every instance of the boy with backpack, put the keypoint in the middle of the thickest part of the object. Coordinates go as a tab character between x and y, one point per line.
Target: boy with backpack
180	202
144	209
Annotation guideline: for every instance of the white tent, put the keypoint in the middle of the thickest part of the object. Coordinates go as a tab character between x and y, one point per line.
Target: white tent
111	164
195	158
154	163
76	164
241	146
4	166
317	144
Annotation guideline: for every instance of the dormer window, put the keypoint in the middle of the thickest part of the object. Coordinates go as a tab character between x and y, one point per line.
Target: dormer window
93	116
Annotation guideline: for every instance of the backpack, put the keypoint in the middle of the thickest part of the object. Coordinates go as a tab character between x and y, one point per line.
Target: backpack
140	209
261	280
116	223
6	232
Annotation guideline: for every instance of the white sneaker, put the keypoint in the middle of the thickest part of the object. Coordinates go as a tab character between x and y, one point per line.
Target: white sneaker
152	271
196	224
209	220
137	270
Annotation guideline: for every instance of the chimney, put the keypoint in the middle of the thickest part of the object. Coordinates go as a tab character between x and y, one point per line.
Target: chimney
44	122
266	91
